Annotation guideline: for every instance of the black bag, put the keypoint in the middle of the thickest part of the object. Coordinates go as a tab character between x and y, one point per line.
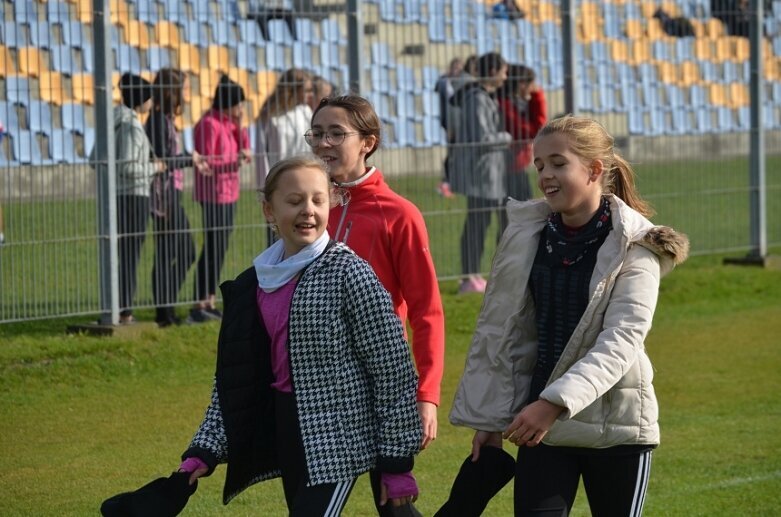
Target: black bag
163	497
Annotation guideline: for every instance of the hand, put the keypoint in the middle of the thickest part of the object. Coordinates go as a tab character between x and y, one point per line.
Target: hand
159	165
201	165
534	421
428	417
395	501
482	438
245	156
196	473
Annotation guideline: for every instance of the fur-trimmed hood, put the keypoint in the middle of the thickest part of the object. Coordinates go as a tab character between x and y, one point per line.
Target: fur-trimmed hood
671	247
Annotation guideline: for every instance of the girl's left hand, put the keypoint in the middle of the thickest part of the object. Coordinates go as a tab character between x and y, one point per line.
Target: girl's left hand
531	425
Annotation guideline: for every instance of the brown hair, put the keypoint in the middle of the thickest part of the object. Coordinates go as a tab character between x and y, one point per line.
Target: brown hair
168	91
287	94
301	161
590	141
360	112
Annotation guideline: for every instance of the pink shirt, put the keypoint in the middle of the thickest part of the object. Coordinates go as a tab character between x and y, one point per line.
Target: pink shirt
274	310
219	139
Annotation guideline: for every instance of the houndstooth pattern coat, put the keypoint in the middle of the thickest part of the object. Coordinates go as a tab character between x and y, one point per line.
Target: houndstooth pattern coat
353	377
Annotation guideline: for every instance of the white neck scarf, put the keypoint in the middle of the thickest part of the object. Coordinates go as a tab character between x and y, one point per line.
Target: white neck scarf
273	272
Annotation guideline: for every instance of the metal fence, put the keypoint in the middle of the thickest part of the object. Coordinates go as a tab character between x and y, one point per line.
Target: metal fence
685	100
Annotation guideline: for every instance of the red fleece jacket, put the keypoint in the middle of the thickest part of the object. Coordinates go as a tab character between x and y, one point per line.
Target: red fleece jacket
388	232
524	126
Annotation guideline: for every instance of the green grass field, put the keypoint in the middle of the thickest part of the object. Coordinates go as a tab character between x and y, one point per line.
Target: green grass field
83	417
56	239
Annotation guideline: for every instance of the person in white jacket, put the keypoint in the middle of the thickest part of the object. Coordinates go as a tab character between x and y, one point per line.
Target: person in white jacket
557	364
284	118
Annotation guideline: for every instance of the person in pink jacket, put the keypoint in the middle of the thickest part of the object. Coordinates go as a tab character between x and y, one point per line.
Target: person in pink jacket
219	138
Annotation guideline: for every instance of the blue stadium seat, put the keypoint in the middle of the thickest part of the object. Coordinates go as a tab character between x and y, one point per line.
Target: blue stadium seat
775	91
437	32
657	122
25	11
40	34
302	55
380	78
508	46
744	119
612	21
17	90
708	71
279	32
27	150
405	79
636	120
62	147
585	97
684	50
157	58
430	77
127	59
607	93
381	105
405	106
330	54
681	124
413	11
87	57
247	57
305	31
431	106
331	32
725	119
4	161
73	34
222	33
461	30
388	11
275	57
74	117
62	60
674	96
651	95
729	72
195	33
770	118
146	11
89	140
9	116
12	35
433	134
188	138
39	117
57	11
704	118
381	54
174	11
249	32
229	10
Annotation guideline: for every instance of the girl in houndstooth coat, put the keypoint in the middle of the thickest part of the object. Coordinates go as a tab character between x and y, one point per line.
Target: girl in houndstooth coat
314	379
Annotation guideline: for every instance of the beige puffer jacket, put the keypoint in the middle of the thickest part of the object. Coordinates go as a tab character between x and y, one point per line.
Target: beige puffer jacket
604	376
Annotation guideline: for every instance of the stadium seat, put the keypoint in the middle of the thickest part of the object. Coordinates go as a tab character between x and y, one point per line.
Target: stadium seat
302	55
12	34
73	34
717	95
275	57
137	34
739	95
62	148
30	61
331	32
146	11
380	78
305	31
39	117
195	33
188	58
167	34
698	96
7	62
84	11
330	54
188	139
40	34
157	58
17	90
51	88
61	57
9	116
726	122
73	117
119	13
247	57
744	119
249	32
25	11
57	11
681	121
430	78
207	81
222	34
437	28
27	150
405	79
703	116
279	32
636	121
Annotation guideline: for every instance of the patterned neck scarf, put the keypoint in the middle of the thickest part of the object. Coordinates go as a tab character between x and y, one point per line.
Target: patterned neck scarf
569	247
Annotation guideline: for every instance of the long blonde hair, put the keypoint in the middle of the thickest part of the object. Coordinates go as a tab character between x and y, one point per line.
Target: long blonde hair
590	141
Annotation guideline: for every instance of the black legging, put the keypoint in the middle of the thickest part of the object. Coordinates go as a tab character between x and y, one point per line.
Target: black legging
217	228
478	219
132	218
174	251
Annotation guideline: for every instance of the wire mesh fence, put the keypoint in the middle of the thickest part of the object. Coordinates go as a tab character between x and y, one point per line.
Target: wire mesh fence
670	80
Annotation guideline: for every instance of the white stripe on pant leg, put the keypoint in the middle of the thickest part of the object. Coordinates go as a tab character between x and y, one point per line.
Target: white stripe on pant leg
338	499
641	485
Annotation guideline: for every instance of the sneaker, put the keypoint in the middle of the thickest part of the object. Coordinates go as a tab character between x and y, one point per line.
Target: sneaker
214	313
444	190
471	285
166	317
197	316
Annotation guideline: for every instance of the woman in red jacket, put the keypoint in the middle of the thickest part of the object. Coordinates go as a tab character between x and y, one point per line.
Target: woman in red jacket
387	231
523	107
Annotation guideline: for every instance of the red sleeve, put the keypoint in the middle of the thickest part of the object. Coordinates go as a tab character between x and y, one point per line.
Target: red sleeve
244	139
536	115
207	142
420	289
512	119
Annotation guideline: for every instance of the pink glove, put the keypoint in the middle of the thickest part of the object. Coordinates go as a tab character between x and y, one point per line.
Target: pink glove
192	464
399	485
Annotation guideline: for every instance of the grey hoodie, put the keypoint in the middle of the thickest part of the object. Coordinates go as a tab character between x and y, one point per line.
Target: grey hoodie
134	157
479	149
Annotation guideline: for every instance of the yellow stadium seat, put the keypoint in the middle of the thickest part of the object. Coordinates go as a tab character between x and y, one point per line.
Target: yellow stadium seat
648	9
167	34
690	73
30	61
634	29
590	30
84	10
641	51
717	94
137	34
738	95
116	95
724	50
7	63
772	68
619	51
83	86
714	28
670	8
120	13
667	72
589	9
219	58
543	12
207	81
654	29
741	50
698	27
189	58
703	49
51	88
241	76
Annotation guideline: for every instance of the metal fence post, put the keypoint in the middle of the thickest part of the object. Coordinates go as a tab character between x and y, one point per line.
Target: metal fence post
355	48
758	200
569	44
105	166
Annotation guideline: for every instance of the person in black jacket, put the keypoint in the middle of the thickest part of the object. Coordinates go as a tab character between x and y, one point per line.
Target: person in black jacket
314	381
174	247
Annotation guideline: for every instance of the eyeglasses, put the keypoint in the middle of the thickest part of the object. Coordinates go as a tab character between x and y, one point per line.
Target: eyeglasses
333	137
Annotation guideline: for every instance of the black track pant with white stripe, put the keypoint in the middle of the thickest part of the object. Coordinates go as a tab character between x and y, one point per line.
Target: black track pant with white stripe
546	480
326	500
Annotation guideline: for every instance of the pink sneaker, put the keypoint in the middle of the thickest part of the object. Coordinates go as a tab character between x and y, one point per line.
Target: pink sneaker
444	190
471	285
